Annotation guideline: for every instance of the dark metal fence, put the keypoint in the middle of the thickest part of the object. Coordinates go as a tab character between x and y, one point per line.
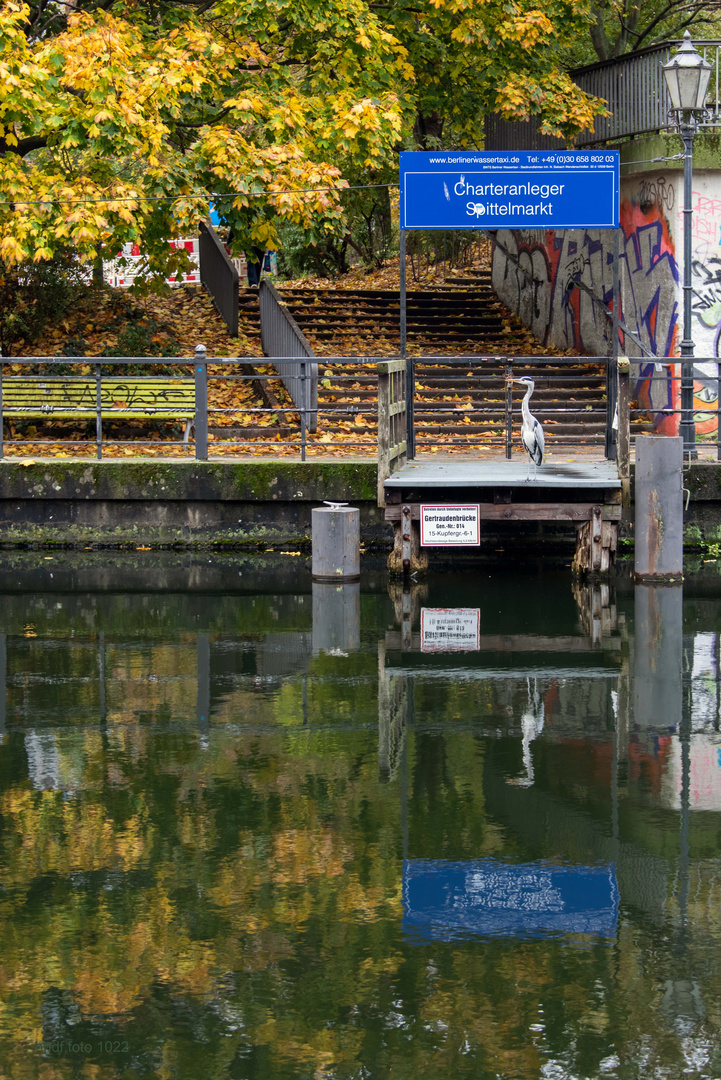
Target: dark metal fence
219	276
634	88
282	337
62	406
665	373
466	402
83	406
429	251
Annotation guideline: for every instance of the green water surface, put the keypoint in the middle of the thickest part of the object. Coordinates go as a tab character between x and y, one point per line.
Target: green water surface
254	828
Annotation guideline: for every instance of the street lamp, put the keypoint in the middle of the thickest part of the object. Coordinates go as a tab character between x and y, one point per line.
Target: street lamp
687	75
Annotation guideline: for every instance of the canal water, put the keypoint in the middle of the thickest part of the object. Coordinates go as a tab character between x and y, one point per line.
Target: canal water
252	827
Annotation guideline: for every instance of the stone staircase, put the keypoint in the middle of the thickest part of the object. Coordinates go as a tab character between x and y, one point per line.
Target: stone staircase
461	317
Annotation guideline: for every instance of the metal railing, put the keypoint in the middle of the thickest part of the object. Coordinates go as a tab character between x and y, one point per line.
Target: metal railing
460	404
227	419
281	337
635	90
704	418
219	276
429	251
465	403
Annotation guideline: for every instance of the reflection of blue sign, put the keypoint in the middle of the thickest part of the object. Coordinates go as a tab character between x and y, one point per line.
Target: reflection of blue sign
543	189
446	900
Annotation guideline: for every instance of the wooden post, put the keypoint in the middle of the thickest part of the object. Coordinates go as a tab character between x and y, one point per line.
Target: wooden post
391	421
624	428
596	543
596	539
384	430
408	556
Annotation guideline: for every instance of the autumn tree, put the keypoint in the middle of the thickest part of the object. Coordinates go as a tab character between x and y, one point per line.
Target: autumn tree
120	120
623	26
118	123
472	58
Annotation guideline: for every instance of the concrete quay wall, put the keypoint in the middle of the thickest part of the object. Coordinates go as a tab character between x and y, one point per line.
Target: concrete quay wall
179	503
245	505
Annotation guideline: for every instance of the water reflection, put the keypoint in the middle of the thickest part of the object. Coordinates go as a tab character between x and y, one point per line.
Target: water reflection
261	830
447	900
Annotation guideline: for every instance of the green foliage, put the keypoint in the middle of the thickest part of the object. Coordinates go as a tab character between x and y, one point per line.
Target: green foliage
143	335
365	229
622	26
31	294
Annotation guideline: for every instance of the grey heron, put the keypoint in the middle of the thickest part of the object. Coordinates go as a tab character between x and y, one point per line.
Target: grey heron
532	723
531	430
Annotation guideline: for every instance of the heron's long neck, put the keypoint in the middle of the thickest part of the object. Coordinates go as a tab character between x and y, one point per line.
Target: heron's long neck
525	411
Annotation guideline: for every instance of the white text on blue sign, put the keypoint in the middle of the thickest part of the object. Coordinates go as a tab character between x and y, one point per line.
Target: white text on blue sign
494	191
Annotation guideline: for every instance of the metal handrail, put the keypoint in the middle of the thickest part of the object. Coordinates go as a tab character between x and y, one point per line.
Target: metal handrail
219	276
281	337
635	91
437	403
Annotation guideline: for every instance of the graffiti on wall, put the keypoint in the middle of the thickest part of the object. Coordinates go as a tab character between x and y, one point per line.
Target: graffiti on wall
537	279
706	306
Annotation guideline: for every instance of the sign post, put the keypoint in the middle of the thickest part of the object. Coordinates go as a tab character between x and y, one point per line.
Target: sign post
490	190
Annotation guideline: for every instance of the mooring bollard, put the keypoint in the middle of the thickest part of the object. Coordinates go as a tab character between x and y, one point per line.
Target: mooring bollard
657	656
336	542
659	508
336	617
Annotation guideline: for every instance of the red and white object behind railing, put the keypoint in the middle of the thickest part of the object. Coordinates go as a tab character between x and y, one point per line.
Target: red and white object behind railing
122	272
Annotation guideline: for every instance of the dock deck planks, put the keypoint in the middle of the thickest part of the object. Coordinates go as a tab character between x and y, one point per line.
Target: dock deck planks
499	472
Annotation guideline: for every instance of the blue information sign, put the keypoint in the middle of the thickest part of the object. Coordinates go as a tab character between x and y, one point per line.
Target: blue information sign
444	900
537	189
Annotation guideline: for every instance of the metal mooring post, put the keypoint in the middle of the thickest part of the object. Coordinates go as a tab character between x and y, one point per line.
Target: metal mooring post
658	656
336	542
336	616
659	508
200	368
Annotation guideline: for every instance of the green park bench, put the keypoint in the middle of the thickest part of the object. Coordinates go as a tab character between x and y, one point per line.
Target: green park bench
75	398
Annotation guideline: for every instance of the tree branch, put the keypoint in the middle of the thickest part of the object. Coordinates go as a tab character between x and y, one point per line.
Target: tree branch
25	146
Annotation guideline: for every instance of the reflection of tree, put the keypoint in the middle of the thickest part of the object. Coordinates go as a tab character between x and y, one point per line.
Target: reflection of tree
236	910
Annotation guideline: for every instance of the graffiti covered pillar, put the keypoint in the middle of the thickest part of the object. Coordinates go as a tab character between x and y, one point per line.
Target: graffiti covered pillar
536	276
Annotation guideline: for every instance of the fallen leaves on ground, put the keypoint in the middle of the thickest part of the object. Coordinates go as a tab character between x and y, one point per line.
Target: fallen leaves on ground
185	316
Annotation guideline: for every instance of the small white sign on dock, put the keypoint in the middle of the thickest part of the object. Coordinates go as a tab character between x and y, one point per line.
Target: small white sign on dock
450	629
449	525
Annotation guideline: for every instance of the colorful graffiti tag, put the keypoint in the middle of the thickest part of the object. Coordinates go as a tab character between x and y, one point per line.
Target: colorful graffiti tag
537	274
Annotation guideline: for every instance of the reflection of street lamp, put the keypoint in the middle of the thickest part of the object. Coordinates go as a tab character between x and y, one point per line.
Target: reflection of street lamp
687	76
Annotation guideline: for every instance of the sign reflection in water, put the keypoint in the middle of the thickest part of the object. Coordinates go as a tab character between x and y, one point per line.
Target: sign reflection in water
445	900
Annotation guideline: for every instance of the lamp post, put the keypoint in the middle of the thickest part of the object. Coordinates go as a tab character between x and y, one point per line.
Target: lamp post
687	75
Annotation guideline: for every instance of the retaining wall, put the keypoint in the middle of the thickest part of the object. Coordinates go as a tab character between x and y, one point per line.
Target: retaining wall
247	505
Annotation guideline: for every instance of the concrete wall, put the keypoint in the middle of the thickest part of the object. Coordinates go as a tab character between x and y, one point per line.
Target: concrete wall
254	506
650	268
251	504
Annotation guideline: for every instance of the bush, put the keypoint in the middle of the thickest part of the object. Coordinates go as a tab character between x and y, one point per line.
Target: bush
31	294
366	231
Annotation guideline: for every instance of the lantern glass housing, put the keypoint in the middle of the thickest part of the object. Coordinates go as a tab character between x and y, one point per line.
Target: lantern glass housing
687	75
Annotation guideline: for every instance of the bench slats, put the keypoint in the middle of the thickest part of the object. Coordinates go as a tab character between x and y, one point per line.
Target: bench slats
59	398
